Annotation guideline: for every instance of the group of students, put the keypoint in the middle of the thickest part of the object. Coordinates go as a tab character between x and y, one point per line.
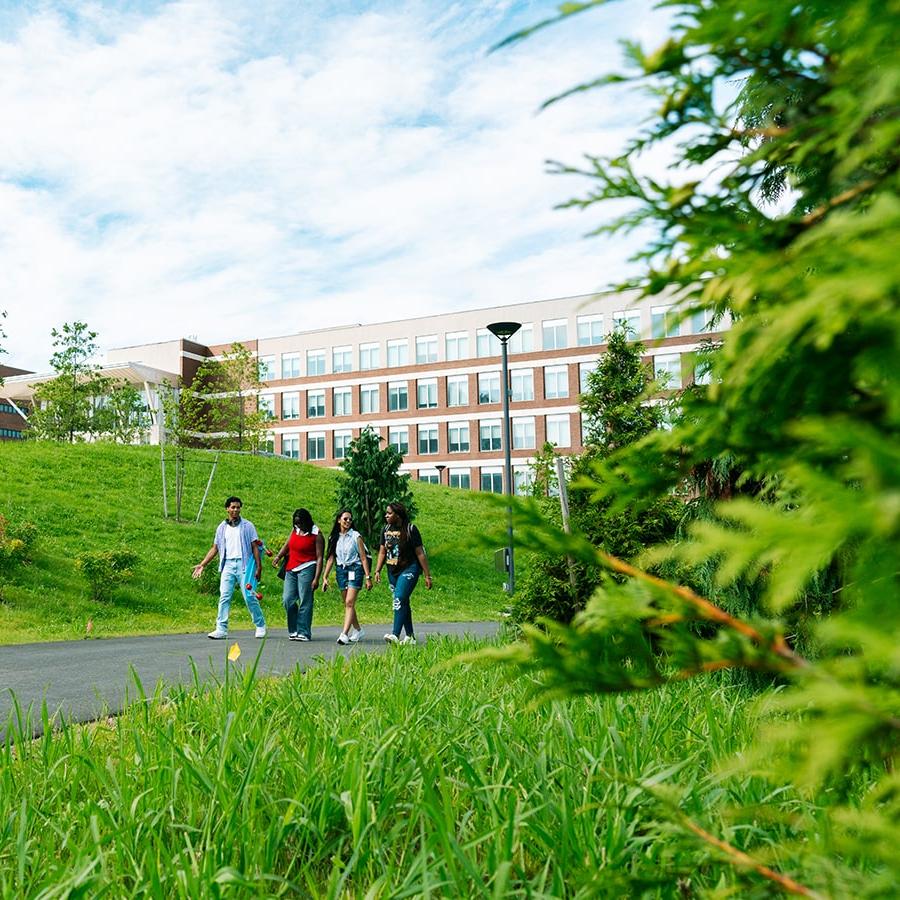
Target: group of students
300	561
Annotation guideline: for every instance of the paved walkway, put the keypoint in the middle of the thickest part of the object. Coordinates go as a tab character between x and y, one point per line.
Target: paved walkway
90	678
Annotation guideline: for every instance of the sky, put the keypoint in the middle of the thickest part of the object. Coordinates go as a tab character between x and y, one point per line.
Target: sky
229	170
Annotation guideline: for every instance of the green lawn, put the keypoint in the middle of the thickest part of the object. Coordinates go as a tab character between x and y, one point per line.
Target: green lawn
398	775
100	496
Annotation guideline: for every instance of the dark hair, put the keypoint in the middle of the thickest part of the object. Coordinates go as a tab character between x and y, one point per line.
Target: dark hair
335	532
400	511
231	500
303	520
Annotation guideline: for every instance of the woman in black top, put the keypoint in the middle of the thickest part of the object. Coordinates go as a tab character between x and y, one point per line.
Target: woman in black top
402	551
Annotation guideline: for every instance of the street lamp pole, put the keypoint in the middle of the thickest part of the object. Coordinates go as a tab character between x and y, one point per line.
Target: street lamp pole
503	331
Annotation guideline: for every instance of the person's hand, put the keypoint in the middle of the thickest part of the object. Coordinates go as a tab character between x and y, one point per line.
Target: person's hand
269	552
198	570
378	578
324	585
428	582
315	584
258	572
368	582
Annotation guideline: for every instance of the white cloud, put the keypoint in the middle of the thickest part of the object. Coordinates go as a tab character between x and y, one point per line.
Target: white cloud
200	169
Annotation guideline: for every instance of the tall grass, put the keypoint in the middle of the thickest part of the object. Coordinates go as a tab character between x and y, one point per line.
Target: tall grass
384	776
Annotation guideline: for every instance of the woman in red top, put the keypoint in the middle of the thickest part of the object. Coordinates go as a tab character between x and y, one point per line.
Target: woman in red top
304	549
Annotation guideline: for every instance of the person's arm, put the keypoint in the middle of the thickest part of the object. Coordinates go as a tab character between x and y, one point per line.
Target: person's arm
320	552
361	546
423	562
382	552
281	554
198	569
255	548
328	564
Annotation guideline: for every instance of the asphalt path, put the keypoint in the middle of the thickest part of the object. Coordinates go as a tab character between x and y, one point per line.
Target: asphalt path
88	679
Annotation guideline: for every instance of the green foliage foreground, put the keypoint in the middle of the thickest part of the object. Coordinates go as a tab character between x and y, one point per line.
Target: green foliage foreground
383	776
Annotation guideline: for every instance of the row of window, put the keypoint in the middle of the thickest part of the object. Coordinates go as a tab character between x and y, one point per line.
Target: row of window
10	433
9	408
490	478
665	322
427	440
667	368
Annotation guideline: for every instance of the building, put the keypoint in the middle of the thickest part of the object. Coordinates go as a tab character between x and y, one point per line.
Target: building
12	415
431	386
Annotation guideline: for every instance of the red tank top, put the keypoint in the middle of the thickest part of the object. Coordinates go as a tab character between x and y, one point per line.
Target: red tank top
301	549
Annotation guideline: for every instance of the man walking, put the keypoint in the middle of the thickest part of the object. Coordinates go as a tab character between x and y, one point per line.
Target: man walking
236	541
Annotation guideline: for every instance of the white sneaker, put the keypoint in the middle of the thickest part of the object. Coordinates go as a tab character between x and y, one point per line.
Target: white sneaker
391	638
261	632
357	635
302	637
218	635
343	639
408	640
293	636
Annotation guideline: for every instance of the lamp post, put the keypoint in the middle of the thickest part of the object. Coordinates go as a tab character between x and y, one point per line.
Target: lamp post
503	331
440	471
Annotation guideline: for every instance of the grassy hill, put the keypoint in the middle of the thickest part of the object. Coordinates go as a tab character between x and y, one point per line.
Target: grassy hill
98	496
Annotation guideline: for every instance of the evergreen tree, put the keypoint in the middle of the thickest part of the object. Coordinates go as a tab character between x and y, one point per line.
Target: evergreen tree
370	479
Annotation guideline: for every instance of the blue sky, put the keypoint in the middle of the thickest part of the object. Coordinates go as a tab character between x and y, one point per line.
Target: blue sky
231	170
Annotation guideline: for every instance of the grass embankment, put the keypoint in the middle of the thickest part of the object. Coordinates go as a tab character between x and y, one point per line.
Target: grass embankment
91	497
373	777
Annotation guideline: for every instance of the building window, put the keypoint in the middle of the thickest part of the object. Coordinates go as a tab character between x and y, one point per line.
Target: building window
290	446
458	435
342	359
522	384
558	431
399	439
315	445
368	398
456	345
488	387
523	433
700	319
590	330
266	368
315	404
584	370
492	480
397	353
426	349
267	444
667	370
629	320
290	405
703	369
523	340
556	382
398	398
342	401
266	405
664	322
426	393
457	390
461	478
431	476
342	443
428	439
315	362
369	356
489	434
290	365
523	479
486	344
555	334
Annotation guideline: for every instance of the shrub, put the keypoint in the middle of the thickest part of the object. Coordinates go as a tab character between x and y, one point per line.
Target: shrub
104	569
16	540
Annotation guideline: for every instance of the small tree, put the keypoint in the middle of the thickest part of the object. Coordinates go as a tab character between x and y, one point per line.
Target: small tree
64	408
123	415
370	480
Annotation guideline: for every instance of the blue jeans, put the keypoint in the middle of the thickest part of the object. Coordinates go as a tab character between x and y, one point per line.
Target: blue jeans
402	585
232	574
298	600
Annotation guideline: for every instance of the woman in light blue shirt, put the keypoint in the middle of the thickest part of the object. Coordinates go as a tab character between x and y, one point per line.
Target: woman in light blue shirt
347	554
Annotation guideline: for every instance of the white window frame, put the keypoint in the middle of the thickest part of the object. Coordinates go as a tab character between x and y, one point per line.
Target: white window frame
486	344
523	433
397	353
426	349
489	378
590	330
292	439
462	443
523	340
631	318
491	424
340	442
455	396
494	473
398	437
554	334
266	367
431	434
430	388
664	322
369	356
265	404
317	439
290	365
369	391
558	375
668	364
314	413
559	430
342	401
342	359
398	386
524	379
456	345
319	357
290	405
456	476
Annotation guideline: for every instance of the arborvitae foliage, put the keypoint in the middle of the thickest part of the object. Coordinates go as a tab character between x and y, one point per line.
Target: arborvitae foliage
805	394
370	479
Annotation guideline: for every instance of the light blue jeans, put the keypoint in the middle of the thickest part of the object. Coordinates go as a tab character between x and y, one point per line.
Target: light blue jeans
297	597
233	574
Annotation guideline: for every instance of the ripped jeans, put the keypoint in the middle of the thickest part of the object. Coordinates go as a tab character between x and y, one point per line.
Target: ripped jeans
402	585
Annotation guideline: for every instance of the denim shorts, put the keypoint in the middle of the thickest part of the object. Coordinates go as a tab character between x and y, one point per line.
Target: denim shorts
350	576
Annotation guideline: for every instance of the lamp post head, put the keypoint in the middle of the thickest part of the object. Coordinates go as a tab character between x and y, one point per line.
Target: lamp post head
504	330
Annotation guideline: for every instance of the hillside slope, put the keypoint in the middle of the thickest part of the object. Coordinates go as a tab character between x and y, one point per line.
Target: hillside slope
99	496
